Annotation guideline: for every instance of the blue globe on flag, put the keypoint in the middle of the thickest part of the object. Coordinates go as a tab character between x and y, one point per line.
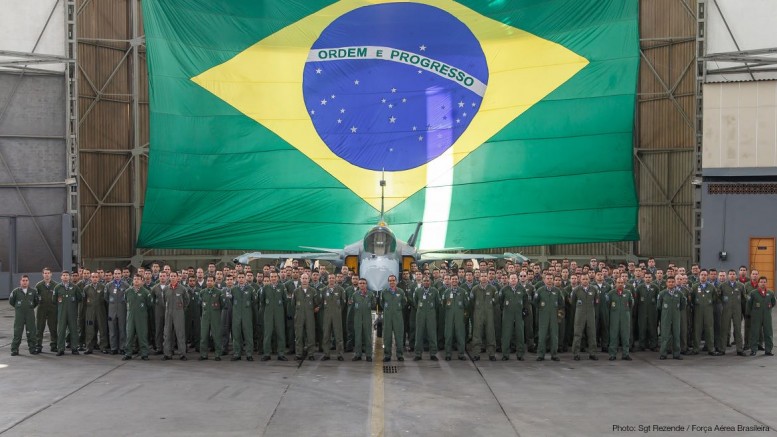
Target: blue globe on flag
386	89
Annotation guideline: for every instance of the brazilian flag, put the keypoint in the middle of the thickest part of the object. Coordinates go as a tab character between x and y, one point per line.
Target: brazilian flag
496	123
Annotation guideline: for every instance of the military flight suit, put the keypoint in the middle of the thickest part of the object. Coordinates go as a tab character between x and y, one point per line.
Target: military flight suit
620	321
410	320
585	300
95	317
274	319
704	296
361	308
513	302
603	315
176	302
669	306
318	319
259	317
569	315
393	302
332	302
759	308
226	319
531	314
484	298
290	313
732	296
47	314
305	302
749	287
425	302
117	314
647	317
438	285
242	320
68	296
562	320
24	304
158	303
349	328
137	320
193	315
456	301
685	314
497	314
210	322
548	302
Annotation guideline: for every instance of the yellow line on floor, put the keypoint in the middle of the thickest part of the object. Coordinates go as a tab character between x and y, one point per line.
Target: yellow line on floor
376	403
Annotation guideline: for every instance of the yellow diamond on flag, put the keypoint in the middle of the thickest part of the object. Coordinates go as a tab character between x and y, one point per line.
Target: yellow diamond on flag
381	135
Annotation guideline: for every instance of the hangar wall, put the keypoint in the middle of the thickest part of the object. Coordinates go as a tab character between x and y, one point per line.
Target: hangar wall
739	135
38	197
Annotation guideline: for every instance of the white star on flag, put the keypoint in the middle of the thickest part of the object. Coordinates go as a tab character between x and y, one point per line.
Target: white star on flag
391	105
414	128
393	90
339	121
422	48
353	129
392	119
382	100
332	96
356	82
318	70
461	104
342	110
404	100
420	138
323	102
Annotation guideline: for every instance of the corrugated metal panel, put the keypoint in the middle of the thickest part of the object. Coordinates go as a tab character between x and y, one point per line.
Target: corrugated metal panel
666	136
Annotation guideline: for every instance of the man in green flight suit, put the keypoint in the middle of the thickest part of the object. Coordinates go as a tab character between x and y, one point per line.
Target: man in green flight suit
732	295
95	314
393	301
176	301
47	310
306	305
362	302
759	309
620	302
484	296
274	317
647	317
671	302
242	319
212	299
585	299
456	301
704	296
426	300
333	301
514	301
138	300
24	300
68	295
548	300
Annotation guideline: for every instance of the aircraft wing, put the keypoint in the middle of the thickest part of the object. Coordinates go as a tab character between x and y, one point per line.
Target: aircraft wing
515	257
327	256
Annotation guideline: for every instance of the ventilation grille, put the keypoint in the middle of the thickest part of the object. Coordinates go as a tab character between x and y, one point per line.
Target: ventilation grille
389	369
742	188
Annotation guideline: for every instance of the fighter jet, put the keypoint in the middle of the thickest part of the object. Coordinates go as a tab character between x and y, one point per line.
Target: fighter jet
379	254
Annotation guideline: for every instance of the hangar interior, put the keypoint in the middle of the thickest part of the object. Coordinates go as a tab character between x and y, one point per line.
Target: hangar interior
74	138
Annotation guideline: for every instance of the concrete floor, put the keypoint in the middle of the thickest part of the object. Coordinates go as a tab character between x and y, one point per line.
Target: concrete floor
102	395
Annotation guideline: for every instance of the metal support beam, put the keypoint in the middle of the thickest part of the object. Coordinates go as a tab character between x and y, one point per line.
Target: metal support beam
71	135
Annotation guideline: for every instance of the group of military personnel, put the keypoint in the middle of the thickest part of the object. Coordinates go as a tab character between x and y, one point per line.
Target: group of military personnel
517	308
